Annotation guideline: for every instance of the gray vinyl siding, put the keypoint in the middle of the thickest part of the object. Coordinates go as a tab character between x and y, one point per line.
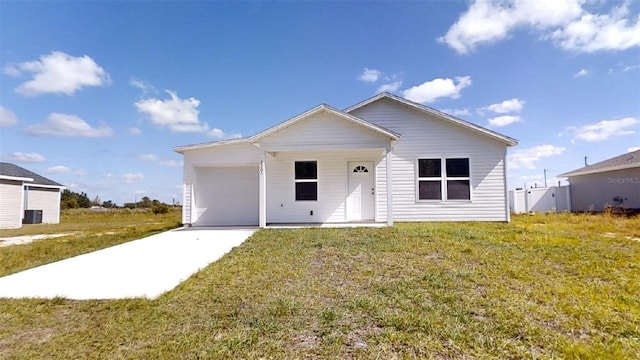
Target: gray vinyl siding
11	204
595	192
423	136
45	199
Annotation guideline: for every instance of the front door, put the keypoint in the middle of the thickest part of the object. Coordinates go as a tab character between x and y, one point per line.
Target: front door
361	197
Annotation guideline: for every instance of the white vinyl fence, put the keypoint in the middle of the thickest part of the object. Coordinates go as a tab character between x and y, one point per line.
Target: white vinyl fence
555	199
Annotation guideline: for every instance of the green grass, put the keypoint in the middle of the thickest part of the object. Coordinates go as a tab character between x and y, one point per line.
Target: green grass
542	287
87	231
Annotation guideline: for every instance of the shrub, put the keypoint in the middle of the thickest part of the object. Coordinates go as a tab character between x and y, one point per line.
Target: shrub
160	208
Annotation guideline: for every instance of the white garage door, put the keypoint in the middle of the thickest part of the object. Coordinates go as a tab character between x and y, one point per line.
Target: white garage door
227	196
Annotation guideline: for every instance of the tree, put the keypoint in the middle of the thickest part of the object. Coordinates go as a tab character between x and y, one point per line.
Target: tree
73	200
96	201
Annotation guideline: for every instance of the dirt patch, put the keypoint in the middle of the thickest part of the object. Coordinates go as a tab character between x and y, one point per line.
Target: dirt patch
25	239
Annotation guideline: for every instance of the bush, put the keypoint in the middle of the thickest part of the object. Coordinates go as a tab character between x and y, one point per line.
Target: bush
160	208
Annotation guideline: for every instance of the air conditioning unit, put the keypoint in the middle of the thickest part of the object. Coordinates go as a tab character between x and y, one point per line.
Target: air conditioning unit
32	217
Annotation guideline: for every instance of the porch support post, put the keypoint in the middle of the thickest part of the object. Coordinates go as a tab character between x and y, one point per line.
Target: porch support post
389	187
263	192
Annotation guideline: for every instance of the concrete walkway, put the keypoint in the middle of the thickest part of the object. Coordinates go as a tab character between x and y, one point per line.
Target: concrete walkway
142	268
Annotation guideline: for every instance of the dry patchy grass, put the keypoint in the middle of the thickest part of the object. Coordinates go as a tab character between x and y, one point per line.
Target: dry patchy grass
557	286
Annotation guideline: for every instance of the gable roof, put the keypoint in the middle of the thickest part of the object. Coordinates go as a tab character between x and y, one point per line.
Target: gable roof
182	149
287	123
436	113
328	109
621	162
15	171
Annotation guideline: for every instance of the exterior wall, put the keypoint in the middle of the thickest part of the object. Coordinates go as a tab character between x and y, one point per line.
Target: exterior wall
45	199
227	155
595	192
422	136
332	186
11	204
324	131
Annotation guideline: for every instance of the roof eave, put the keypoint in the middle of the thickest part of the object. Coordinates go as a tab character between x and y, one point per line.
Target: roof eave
316	110
602	170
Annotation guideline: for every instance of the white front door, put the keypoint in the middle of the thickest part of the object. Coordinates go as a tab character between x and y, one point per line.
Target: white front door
361	196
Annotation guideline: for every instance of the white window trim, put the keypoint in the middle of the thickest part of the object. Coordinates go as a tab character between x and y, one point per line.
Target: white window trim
443	180
295	181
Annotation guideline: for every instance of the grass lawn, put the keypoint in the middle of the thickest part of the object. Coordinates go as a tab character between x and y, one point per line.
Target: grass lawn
85	231
546	286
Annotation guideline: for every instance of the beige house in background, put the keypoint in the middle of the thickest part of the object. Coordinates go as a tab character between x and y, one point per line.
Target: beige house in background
612	182
25	192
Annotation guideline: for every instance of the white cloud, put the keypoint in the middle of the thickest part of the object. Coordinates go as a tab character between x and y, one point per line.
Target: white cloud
633	148
390	87
504	120
144	86
593	32
67	125
80	172
566	23
179	115
369	75
631	67
581	73
604	129
170	163
57	169
148	157
59	73
430	91
132	177
526	158
219	134
7	118
135	131
507	106
21	157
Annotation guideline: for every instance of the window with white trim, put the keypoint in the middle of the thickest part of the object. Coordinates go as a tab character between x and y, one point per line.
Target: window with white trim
306	180
454	183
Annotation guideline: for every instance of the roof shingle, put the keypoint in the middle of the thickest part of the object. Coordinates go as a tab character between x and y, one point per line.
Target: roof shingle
9	169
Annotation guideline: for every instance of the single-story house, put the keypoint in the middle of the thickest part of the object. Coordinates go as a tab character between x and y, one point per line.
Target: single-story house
382	160
613	182
22	190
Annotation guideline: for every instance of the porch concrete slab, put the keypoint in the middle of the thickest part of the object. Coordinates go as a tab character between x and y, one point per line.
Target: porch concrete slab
142	268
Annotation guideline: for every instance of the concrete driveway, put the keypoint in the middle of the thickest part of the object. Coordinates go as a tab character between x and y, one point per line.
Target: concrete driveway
142	268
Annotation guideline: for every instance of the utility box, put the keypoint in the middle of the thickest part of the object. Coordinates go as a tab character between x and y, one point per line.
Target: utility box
32	217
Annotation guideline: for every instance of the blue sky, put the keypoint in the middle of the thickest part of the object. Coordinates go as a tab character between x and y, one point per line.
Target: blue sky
94	95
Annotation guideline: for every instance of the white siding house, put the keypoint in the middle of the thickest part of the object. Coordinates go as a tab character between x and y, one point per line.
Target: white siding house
613	182
11	201
383	160
20	190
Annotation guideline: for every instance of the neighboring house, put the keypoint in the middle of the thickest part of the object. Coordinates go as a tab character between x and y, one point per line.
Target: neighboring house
382	160
610	183
20	190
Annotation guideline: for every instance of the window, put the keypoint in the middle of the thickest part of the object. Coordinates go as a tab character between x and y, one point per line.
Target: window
454	184
306	180
429	179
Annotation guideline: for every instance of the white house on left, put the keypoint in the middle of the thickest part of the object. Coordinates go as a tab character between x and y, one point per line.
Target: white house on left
27	197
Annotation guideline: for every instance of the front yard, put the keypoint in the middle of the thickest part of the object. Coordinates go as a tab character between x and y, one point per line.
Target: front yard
545	286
